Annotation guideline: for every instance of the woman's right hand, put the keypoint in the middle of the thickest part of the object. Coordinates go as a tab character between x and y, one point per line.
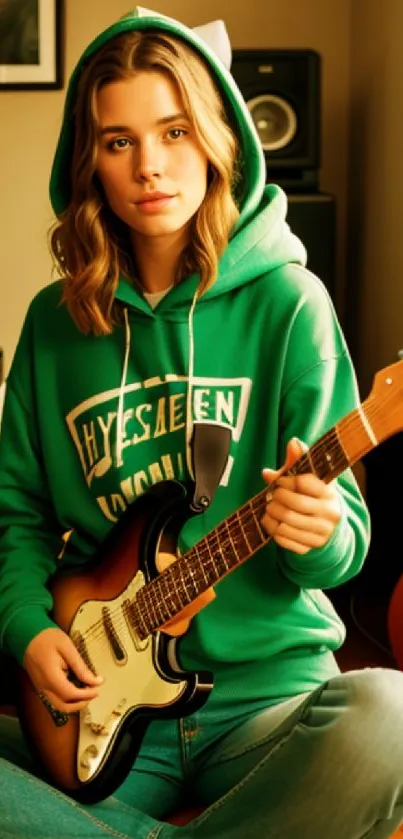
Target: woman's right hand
51	659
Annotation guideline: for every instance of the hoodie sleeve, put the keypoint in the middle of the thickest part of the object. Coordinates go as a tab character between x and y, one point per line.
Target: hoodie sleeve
320	389
30	538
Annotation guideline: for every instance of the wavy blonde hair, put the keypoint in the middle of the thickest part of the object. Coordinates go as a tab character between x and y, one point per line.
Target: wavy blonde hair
89	244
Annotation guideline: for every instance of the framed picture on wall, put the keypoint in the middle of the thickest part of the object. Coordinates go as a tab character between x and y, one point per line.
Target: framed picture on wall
31	45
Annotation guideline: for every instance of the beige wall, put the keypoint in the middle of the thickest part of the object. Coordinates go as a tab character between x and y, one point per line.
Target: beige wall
375	307
29	123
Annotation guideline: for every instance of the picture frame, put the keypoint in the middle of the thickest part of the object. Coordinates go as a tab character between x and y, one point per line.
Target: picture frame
31	45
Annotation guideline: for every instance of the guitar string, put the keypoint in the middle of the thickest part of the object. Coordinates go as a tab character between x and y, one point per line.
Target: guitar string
117	617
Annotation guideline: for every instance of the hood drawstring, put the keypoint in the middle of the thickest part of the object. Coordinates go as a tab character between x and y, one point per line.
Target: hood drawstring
120	414
189	409
189	406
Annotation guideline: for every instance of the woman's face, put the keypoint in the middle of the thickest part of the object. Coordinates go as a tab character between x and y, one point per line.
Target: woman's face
151	167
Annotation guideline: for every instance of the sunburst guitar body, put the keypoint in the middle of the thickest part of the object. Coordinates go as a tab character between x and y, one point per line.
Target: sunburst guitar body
89	754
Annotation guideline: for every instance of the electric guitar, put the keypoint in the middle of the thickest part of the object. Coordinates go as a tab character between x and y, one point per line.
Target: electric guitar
125	611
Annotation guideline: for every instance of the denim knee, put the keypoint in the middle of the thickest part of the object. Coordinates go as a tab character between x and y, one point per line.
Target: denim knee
363	712
378	694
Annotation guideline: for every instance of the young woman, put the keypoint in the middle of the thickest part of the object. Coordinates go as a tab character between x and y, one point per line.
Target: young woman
184	303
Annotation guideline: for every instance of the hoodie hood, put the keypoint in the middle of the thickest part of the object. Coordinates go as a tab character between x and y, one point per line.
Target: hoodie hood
261	239
142	19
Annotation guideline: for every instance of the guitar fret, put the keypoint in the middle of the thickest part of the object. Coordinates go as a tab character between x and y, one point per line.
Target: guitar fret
136	611
208	562
220	558
171	599
201	565
254	533
232	539
192	579
259	530
310	461
183	578
174	575
242	531
156	609
165	593
153	604
328	456
200	576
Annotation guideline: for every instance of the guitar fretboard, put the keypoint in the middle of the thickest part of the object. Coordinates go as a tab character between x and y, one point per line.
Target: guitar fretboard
231	543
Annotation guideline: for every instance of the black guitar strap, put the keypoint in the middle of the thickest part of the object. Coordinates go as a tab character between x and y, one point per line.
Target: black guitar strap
210	447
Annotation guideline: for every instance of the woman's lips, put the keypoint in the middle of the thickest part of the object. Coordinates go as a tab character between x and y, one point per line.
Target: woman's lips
152	205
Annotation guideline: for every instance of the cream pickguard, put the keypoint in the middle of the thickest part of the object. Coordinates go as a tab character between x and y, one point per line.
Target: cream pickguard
131	680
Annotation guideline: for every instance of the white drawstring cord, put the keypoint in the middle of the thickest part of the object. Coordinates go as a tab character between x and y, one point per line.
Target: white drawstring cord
189	407
119	418
189	411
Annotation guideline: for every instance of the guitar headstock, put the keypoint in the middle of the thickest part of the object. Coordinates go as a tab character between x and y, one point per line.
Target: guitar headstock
387	392
387	378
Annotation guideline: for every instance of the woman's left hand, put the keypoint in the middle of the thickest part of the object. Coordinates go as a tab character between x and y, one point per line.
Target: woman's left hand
302	511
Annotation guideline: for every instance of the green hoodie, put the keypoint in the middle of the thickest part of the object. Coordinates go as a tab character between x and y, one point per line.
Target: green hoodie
91	422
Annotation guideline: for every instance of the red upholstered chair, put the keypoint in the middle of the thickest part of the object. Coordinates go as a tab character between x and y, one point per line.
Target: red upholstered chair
180	819
395	631
395	622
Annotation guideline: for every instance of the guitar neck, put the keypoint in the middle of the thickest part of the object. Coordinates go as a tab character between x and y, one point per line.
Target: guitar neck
240	535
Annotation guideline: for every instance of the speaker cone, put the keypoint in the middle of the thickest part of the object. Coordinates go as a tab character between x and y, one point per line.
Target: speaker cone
275	120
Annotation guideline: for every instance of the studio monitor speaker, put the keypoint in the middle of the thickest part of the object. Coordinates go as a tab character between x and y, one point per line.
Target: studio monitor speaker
282	91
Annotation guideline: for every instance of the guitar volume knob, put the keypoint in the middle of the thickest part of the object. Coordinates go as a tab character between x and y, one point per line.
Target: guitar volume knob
88	755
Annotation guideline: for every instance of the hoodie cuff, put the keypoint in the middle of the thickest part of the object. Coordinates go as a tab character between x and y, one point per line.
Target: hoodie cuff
22	628
325	567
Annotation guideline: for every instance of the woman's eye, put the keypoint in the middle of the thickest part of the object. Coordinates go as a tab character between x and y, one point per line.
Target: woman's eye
175	133
119	143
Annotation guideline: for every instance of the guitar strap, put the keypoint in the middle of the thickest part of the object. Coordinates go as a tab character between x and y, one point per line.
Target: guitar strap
210	447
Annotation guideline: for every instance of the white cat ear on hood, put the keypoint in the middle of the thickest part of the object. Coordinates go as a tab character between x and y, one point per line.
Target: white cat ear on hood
214	34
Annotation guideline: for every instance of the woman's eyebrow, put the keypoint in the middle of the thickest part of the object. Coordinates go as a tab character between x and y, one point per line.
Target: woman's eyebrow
116	129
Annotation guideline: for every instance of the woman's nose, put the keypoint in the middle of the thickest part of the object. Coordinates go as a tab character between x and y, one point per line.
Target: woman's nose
149	162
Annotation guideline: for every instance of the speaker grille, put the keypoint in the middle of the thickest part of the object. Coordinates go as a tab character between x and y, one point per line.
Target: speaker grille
282	91
275	120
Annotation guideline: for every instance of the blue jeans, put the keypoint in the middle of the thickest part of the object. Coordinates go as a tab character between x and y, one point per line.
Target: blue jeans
327	765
